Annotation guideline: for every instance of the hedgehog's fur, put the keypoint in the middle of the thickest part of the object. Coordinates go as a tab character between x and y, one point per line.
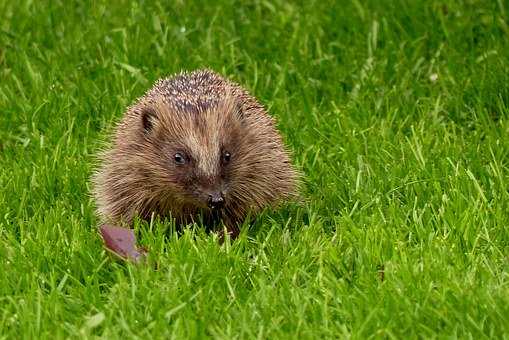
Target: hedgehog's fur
199	115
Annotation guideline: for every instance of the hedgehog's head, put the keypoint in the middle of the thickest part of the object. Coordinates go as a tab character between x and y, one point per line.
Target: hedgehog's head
197	151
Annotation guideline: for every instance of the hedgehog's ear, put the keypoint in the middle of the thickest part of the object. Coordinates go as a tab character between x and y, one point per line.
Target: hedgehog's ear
238	111
148	119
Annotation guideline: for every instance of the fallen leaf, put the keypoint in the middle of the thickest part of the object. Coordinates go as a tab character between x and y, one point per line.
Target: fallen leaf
94	321
121	242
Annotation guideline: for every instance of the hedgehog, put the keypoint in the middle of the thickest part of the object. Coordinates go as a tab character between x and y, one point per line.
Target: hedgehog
195	146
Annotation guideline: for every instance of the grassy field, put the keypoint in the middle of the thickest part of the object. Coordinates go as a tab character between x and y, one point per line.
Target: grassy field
396	113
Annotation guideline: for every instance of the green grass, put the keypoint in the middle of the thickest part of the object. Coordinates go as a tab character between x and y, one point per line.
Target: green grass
396	112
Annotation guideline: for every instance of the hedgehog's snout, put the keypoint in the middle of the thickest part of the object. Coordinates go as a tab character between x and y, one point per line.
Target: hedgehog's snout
216	200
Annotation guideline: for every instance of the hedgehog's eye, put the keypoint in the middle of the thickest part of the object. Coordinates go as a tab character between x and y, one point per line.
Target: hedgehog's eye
179	158
226	157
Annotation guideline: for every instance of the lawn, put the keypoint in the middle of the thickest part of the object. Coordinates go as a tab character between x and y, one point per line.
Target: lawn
396	112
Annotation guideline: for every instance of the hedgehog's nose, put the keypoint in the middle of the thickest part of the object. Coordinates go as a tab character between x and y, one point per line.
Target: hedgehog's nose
215	201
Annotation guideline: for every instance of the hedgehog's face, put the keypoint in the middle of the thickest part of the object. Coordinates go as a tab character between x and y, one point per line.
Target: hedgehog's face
196	150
